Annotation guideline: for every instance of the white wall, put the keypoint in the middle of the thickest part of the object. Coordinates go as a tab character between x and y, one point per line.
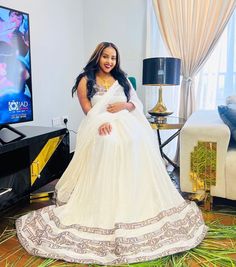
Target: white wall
63	35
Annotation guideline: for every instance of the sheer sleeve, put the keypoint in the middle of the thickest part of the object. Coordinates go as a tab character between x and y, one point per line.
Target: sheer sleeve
134	98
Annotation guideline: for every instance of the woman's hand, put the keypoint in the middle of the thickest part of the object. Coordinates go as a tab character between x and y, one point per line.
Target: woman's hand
118	106
105	129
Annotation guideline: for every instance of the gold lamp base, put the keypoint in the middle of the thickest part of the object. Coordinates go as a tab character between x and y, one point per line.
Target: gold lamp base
160	108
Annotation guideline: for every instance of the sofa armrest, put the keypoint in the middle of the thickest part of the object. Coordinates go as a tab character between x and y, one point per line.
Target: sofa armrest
207	126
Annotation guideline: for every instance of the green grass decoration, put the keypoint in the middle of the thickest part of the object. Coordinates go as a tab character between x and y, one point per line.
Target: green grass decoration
7	234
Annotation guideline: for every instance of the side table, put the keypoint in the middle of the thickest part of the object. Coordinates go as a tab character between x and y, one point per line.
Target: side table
166	123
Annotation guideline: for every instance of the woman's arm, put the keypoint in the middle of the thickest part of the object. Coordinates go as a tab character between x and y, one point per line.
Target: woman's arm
129	106
82	95
118	106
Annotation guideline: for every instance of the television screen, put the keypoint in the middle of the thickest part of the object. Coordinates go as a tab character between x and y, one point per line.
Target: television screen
15	67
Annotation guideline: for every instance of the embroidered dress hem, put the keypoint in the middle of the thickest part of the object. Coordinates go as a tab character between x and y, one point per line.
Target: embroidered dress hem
171	231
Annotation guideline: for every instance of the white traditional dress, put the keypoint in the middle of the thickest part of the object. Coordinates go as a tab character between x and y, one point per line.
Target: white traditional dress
115	202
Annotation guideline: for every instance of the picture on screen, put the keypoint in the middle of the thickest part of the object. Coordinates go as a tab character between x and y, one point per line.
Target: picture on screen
15	67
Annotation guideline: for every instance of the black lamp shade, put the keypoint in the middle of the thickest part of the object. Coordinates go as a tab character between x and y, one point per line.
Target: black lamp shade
161	71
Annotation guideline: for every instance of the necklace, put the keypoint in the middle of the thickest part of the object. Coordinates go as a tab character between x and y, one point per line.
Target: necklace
105	83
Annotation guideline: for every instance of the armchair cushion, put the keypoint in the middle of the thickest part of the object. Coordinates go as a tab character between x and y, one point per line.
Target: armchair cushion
133	82
231	99
228	116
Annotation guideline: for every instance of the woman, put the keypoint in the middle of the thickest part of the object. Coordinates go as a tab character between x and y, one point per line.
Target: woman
115	202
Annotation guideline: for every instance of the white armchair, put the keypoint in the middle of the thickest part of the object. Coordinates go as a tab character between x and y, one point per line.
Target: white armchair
207	126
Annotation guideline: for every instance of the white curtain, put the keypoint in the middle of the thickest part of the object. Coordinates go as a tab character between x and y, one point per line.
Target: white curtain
217	79
191	29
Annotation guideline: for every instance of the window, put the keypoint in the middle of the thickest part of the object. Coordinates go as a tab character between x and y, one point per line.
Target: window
217	79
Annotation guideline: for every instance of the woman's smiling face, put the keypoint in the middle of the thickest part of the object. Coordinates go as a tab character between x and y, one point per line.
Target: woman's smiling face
107	60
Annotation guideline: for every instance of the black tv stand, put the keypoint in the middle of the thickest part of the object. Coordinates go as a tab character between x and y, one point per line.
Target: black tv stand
19	136
28	164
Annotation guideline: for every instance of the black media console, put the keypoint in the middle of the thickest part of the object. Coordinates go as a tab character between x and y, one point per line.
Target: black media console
31	162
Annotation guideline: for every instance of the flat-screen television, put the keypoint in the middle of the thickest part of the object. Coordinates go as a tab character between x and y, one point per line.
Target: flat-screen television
15	68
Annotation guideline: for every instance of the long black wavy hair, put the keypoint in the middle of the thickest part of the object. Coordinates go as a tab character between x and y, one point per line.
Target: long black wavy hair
92	68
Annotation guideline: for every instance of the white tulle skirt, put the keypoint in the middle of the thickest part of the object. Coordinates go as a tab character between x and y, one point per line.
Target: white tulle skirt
115	204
